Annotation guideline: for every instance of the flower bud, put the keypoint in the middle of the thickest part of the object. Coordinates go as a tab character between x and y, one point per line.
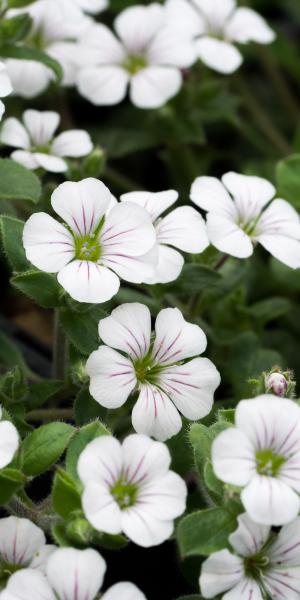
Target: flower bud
277	383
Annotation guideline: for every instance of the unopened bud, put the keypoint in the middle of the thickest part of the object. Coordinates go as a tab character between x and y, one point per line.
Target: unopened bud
79	531
94	163
277	383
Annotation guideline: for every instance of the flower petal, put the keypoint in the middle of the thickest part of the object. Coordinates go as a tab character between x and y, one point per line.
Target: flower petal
246	25
5	83
270	501
29	78
248	589
128	328
165	498
233	457
25	158
127	231
41	557
169	48
81	204
112	377
103	85
228	237
144	460
221	56
284	551
250	193
216	11
41	126
28	584
183	228
13	133
191	386
19	540
92	6
101	46
87	281
285	249
154	414
101	461
72	143
250	537
176	339
53	164
124	590
185	17
155	203
100	509
279	218
153	86
49	246
76	574
282	584
211	195
143	529
9	443
169	265
137	25
220	572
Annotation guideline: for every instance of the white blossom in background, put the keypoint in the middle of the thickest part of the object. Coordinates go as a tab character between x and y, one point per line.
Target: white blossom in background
23	544
5	87
216	25
70	575
92	250
147	56
9	441
129	488
237	222
37	146
167	384
183	228
261	564
57	27
261	454
91	6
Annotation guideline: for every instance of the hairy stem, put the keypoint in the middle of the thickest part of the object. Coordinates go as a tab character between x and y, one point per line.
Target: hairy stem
50	414
60	350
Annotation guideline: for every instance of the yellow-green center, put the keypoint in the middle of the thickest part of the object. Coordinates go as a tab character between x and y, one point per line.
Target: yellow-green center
268	463
87	248
124	493
134	64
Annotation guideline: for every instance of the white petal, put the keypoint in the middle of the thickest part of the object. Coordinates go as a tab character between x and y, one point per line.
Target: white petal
153	86
87	281
28	584
282	584
13	133
233	457
72	143
81	204
124	590
53	164
68	54
279	218
76	574
41	126
216	11
185	17
103	85
41	557
135	269
250	193
169	48
9	443
137	25
49	246
19	540
127	231
100	509
26	159
228	237
128	328
92	6
101	462
143	529
176	339
29	78
285	249
2	109
5	82
284	551
270	501
154	414
220	572
164	498
155	203
168	267
191	386
248	589
249	537
101	46
183	228
144	460
246	25
211	195
112	377
221	56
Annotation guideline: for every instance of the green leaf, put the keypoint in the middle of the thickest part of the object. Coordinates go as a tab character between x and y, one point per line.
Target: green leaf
269	309
17	183
212	482
194	278
86	408
39	393
25	53
15	29
11	233
201	438
41	287
11	480
80	441
59	535
82	328
43	447
19	3
205	531
288	180
65	494
10	356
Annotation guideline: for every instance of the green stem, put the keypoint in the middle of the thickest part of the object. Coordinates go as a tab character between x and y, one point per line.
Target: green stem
60	350
50	414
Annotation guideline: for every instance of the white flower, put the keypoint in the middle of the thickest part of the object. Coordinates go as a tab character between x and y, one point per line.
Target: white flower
235	225
23	544
129	488
156	368
183	228
262	564
93	250
5	87
70	575
261	454
147	57
9	442
34	137
91	6
57	26
215	25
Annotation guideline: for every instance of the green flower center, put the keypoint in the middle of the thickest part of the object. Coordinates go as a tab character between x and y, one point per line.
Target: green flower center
146	371
268	463
254	565
124	493
88	248
134	64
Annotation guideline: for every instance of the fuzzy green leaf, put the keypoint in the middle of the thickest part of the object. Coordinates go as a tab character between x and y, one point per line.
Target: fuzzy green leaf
41	287
16	182
44	446
65	494
11	235
205	531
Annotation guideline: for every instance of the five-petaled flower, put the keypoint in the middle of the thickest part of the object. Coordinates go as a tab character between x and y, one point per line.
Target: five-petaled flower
147	57
22	544
9	441
157	368
215	26
261	454
129	488
263	563
70	575
183	228
92	250
35	143
235	224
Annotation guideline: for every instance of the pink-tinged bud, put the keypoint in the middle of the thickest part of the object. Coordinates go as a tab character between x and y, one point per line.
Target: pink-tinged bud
277	383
